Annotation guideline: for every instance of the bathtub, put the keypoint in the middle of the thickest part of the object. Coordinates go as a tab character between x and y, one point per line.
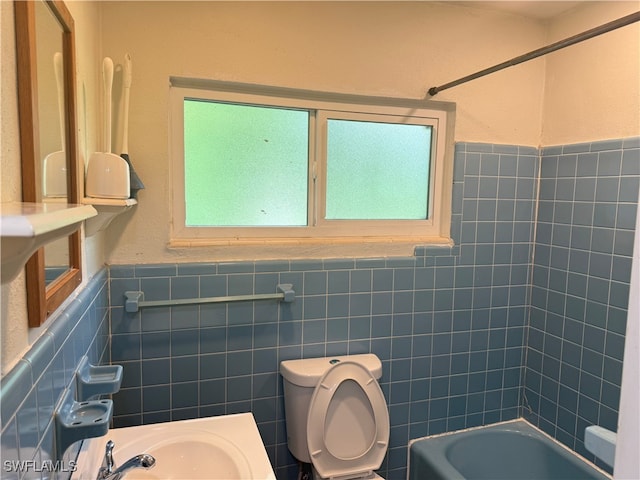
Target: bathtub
511	450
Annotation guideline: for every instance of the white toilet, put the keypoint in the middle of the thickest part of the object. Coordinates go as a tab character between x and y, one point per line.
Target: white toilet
336	415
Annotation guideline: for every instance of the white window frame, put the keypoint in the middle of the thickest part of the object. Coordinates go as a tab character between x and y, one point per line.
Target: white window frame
321	106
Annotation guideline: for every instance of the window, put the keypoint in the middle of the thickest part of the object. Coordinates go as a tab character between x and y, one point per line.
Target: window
268	163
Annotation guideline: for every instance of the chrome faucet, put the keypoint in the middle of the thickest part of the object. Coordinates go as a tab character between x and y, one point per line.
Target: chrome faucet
107	471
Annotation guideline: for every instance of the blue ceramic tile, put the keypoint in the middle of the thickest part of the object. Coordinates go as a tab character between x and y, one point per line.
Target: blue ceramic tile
156	398
486	210
265	283
472	166
150	320
565	189
614	345
239	363
600	265
607	189
528	151
197	269
458	167
619	294
552	150
40	355
528	166
184	342
363	263
629	187
506	149
131	374
240	313
400	262
314	331
631	162
184	369
236	267
157	288
623	242
14	388
127	401
305	265
626	216
156	371
360	281
315	283
506	188
184	316
185	287
609	163
315	307
338	281
164	270
337	306
606	145
587	165
403	279
212	392
631	142
489	164
272	266
238	388
242	284
213	286
621	269
479	147
576	148
290	333
121	271
125	347
567	165
338	264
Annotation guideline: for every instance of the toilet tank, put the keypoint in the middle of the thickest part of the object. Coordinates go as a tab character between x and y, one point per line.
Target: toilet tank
300	378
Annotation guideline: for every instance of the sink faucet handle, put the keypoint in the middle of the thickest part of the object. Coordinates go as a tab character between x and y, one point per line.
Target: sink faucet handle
108	462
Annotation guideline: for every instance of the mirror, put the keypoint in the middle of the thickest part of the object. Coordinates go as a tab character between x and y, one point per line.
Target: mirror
46	101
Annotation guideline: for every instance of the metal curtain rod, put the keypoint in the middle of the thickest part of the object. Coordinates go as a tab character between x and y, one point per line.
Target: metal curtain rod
607	27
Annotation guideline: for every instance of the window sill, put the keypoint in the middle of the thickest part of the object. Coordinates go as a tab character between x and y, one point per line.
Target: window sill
311	248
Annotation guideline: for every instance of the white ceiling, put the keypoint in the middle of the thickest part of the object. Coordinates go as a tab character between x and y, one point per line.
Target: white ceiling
540	10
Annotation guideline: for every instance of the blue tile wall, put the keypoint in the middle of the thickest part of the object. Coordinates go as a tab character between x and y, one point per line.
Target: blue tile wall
30	392
468	335
584	241
448	323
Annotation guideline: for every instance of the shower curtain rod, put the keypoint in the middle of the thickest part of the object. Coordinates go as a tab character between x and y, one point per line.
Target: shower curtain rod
607	27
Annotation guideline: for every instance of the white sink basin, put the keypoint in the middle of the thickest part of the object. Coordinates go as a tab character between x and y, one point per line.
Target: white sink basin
227	447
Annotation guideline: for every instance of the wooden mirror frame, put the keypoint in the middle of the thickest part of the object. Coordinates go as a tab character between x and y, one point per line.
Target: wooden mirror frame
43	299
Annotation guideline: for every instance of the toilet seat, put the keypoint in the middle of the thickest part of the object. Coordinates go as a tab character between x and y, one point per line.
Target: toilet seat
322	449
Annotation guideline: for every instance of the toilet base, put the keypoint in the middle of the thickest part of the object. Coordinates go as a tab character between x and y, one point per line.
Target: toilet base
372	476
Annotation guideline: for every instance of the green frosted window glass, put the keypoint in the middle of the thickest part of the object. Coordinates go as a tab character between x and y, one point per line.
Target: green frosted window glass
377	171
245	165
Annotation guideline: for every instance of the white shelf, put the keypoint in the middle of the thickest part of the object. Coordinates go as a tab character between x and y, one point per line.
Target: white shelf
25	227
108	209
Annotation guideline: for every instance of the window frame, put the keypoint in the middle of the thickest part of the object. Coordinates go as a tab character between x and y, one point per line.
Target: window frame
321	107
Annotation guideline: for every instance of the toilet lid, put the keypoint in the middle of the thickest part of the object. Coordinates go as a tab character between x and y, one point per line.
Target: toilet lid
348	422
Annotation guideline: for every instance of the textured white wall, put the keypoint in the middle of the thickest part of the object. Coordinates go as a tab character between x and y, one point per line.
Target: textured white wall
396	49
592	90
